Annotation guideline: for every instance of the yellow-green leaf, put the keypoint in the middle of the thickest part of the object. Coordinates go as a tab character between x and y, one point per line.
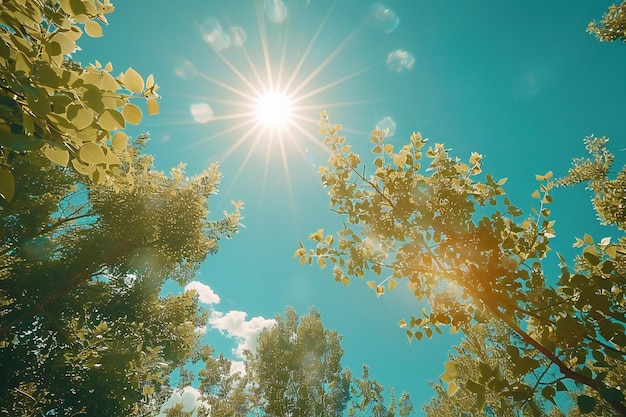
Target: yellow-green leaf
611	251
91	153
536	194
111	120
446	377
371	284
119	141
133	81
82	168
132	113
111	159
451	368
7	185
93	29
153	106
321	262
402	324
148	390
317	235
83	118
388	148
452	389
392	284
58	156
587	239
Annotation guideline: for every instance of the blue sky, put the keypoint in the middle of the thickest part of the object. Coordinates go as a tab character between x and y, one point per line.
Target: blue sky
519	82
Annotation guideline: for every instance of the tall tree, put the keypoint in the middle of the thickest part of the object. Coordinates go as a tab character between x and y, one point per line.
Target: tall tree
82	325
482	355
448	228
53	106
295	371
612	26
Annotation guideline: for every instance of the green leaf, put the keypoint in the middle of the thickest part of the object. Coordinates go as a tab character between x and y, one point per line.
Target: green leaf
119	141
612	395
586	404
451	368
93	29
153	106
91	153
133	81
132	113
82	119
7	185
58	156
452	389
111	120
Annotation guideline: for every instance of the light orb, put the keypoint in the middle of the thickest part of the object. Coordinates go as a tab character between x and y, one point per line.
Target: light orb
274	109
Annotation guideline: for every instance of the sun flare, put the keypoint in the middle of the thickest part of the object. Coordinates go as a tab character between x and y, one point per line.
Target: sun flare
274	109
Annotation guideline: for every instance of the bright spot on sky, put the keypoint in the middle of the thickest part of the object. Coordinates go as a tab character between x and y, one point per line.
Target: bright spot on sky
201	112
275	10
400	60
274	109
238	35
184	69
386	19
388	125
213	34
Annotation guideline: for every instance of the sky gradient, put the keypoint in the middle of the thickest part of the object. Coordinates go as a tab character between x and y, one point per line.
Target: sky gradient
519	82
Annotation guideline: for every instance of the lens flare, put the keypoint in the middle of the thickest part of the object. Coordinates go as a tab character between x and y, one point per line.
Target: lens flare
274	109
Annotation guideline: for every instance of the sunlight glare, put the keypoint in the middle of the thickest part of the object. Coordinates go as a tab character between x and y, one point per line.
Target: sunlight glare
274	109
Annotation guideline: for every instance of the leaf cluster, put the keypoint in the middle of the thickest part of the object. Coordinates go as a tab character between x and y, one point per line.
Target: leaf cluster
84	327
52	105
449	231
612	26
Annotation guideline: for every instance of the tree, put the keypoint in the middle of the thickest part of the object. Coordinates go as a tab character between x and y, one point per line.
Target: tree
482	355
295	371
449	229
83	327
613	24
52	105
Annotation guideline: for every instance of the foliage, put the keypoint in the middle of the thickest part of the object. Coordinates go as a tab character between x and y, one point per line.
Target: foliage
52	105
482	355
295	371
613	24
460	244
83	328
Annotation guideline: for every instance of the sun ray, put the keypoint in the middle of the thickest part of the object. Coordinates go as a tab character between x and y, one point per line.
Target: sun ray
225	132
236	71
327	60
224	85
264	46
283	54
331	84
309	47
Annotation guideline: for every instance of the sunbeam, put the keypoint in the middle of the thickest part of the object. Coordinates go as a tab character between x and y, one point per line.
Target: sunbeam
274	87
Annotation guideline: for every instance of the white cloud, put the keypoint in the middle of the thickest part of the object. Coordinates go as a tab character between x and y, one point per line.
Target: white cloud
234	324
189	397
205	293
237	367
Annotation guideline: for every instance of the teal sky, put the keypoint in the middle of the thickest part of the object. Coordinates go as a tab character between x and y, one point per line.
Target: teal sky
519	82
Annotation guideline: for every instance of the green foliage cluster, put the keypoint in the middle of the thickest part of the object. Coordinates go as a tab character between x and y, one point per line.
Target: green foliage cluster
53	105
460	244
613	24
295	371
83	326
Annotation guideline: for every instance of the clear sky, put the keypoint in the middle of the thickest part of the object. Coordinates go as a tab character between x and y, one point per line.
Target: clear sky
517	81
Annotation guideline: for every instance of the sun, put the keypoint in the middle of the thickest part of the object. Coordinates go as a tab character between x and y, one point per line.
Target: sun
274	109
